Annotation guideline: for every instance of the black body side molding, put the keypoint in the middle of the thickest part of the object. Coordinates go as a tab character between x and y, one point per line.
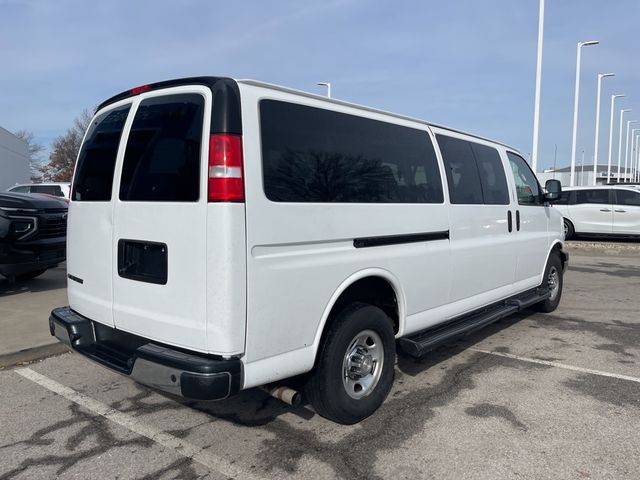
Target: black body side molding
365	242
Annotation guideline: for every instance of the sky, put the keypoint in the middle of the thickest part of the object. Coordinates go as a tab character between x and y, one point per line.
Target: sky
468	64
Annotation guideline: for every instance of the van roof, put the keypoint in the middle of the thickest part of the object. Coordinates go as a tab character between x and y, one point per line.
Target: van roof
215	82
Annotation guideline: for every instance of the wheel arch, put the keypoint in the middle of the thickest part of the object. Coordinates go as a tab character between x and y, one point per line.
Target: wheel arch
350	283
557	247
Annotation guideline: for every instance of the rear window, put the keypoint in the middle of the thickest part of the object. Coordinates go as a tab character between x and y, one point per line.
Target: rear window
96	162
48	189
316	155
162	159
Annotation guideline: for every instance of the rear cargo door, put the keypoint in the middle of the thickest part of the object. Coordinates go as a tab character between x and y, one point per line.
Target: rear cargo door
159	234
90	223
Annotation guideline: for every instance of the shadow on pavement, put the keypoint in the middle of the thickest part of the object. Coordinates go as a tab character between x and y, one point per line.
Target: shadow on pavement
52	279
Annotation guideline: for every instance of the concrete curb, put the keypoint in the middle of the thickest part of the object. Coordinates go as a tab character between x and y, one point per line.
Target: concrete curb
603	248
32	354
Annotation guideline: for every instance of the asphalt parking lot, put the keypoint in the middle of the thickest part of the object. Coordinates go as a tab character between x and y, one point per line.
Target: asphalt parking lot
533	396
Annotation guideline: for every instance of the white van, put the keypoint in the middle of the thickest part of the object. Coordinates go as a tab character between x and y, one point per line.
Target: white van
603	210
230	234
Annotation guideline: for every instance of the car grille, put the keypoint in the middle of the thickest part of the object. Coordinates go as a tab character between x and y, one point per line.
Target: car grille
52	226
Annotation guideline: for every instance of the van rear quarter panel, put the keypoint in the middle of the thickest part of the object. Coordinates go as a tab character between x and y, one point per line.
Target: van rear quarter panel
299	254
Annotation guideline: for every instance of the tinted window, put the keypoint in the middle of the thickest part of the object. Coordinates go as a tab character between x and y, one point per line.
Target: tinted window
48	189
19	189
527	186
564	199
94	173
592	196
492	178
627	197
460	166
162	159
315	155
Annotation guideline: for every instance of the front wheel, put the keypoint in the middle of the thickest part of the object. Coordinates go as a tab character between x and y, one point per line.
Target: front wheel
354	373
553	280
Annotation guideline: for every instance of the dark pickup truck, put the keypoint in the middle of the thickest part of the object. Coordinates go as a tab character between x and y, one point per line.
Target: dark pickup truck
33	233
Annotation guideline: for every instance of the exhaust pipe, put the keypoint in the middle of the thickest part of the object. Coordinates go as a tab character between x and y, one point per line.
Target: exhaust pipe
284	394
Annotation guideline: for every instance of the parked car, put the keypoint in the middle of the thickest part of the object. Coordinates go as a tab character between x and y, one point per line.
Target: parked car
32	234
248	233
58	189
609	210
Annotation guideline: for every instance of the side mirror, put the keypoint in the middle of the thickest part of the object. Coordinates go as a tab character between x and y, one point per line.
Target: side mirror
554	190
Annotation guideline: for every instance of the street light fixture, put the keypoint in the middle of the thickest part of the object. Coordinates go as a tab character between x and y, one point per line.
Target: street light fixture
595	150
575	109
613	100
622	112
536	104
626	155
328	85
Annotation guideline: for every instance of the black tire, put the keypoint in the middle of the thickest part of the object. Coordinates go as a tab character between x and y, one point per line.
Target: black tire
569	231
327	391
29	275
554	264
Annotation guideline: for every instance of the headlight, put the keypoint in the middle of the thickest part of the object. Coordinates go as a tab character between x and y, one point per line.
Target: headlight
22	227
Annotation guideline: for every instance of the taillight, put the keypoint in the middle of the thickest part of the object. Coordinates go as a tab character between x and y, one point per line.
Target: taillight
225	168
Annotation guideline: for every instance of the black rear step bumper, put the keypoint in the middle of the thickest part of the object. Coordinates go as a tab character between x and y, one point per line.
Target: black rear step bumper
186	374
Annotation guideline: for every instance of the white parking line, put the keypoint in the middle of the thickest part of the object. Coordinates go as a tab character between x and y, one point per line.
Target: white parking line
559	365
186	449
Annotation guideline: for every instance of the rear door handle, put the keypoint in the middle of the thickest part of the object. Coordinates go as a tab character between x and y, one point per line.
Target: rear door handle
604	210
509	221
620	211
518	220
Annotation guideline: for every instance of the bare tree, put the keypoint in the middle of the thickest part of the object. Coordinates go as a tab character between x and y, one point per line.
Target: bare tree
35	154
64	151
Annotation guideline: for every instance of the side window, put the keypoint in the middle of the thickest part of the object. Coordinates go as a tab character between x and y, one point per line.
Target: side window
94	174
461	169
492	178
597	196
627	197
23	189
564	199
317	155
527	186
162	159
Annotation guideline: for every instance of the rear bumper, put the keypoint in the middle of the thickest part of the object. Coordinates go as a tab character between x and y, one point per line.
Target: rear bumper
175	371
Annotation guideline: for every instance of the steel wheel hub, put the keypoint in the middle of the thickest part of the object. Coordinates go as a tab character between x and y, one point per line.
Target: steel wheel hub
553	283
362	364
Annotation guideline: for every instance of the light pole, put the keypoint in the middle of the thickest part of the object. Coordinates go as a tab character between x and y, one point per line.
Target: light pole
622	112
627	142
536	104
637	159
328	85
613	100
595	150
632	159
575	109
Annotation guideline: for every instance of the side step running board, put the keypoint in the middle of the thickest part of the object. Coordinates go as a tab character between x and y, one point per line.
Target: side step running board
422	342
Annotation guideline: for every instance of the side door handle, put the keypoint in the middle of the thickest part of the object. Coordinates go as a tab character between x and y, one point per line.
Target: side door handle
620	211
604	210
518	220
509	221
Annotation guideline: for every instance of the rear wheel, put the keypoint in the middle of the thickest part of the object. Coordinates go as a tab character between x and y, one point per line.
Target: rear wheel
29	275
569	231
553	281
355	365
